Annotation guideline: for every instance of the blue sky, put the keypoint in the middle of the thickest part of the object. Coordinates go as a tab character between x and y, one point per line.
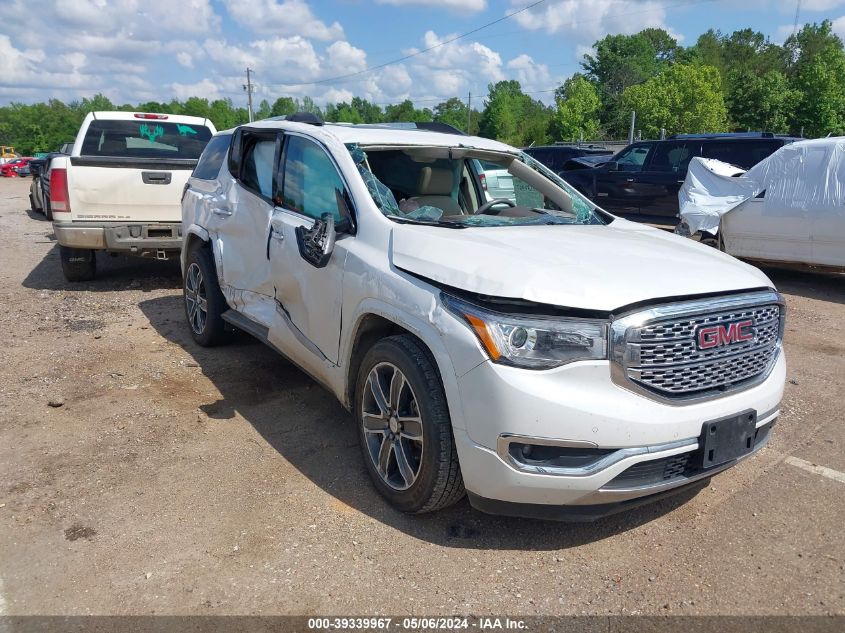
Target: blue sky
139	50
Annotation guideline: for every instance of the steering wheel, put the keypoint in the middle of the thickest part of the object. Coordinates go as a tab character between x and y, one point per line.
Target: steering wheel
489	205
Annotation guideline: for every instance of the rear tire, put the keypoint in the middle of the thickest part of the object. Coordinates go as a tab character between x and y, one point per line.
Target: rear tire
48	212
404	427
204	301
78	264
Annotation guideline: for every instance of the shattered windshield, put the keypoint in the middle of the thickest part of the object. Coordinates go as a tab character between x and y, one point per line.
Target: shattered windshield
460	187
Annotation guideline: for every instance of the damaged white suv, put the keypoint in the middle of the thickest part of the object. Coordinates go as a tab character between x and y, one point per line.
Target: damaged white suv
546	357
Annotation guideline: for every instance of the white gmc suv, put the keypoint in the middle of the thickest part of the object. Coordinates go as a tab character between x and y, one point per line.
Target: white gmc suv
546	357
118	190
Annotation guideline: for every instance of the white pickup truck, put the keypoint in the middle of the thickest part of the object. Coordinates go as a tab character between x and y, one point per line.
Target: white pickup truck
119	189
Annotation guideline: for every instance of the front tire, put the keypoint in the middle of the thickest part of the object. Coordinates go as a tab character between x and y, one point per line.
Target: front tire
404	427
204	302
78	264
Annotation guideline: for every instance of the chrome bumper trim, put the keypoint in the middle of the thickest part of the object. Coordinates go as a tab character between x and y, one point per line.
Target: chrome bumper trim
658	450
603	495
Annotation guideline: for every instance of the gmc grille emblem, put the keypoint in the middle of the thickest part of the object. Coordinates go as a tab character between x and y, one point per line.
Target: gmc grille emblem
725	334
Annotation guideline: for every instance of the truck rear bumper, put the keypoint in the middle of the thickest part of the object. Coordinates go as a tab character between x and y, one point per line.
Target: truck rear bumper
149	239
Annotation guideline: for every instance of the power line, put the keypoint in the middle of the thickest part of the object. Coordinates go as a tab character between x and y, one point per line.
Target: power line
421	52
369	69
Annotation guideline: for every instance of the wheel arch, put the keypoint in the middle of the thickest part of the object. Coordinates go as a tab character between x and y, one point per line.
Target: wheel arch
193	236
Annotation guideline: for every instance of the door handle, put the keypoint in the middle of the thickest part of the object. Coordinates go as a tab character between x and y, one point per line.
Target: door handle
276	235
223	212
629	180
155	177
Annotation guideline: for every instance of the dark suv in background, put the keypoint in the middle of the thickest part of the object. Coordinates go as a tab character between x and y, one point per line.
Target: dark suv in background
555	157
644	178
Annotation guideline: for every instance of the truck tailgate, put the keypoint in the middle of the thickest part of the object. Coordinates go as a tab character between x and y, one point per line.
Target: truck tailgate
127	190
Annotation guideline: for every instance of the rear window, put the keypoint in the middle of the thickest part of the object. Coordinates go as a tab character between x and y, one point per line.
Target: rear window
743	154
212	158
145	139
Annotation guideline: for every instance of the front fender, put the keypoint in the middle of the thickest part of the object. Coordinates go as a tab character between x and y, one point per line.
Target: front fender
198	231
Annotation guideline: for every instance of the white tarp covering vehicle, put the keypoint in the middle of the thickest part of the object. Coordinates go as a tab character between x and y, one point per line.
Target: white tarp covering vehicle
788	208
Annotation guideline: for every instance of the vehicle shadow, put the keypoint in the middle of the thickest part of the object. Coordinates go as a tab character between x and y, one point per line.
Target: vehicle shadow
113	274
309	429
812	285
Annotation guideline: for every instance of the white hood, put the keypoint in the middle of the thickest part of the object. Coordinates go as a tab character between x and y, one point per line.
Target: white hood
588	267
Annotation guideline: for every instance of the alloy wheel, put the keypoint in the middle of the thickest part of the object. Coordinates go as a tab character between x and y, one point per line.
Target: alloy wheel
195	298
392	426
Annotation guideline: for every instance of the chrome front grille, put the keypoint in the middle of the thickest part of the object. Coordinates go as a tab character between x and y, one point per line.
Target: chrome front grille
656	351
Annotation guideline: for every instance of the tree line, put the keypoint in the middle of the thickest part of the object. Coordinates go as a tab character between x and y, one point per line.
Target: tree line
724	82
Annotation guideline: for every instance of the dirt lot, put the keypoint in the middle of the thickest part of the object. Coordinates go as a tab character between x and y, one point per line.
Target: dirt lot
174	479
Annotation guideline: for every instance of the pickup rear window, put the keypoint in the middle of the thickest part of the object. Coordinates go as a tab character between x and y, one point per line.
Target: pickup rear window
145	139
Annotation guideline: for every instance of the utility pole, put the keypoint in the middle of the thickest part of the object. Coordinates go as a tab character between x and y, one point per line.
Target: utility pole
631	130
249	89
469	111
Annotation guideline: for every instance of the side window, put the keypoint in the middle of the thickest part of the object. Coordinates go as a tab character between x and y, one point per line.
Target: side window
311	183
672	157
257	165
743	154
212	158
632	158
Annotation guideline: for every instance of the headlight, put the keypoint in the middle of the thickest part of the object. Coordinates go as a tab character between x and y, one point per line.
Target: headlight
532	342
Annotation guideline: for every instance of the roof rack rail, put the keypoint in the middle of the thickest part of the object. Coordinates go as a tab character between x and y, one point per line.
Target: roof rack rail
428	126
723	135
298	117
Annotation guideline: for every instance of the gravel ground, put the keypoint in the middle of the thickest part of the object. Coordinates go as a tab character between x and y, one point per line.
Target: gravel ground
142	474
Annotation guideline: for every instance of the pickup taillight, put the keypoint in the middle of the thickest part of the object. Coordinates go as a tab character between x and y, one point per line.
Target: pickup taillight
59	198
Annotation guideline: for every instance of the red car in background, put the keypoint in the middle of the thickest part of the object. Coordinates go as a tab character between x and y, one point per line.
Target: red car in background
12	168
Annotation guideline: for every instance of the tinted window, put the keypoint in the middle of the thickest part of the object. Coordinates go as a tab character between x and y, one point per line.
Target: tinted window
145	139
674	157
632	158
257	166
212	158
312	185
743	154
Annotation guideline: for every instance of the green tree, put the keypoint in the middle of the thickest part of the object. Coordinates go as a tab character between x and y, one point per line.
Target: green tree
766	103
512	116
683	98
263	110
406	111
621	61
224	115
343	113
452	112
818	73
284	106
370	112
194	106
578	108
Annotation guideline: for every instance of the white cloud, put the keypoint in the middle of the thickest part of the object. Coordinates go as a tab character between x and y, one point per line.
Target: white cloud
812	5
343	58
531	75
184	58
289	17
206	89
839	26
589	20
464	6
264	56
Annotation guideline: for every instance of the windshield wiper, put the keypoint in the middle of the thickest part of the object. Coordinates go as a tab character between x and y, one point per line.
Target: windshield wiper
444	223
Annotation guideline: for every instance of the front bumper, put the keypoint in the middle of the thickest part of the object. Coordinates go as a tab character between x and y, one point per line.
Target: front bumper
137	238
579	406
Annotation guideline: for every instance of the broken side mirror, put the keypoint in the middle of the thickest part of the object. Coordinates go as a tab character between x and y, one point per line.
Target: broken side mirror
317	243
